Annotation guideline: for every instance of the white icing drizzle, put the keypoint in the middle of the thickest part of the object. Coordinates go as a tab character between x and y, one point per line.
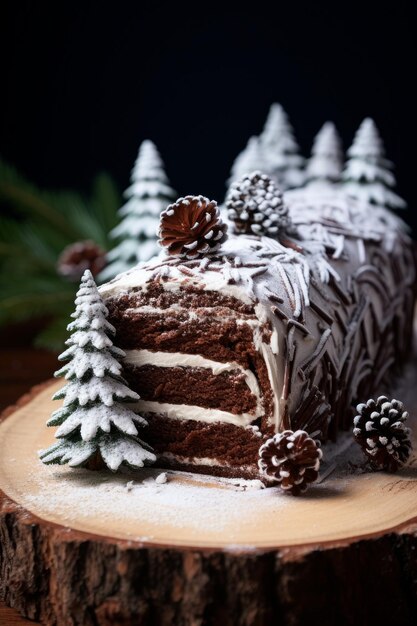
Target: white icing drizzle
361	251
274	341
271	366
196	413
268	352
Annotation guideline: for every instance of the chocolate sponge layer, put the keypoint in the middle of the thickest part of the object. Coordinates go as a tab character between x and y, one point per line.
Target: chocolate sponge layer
234	447
197	386
218	341
189	297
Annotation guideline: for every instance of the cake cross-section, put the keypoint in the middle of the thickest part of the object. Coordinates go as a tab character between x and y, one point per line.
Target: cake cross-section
265	334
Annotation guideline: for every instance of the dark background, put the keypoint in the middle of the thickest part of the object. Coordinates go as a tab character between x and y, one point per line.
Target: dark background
84	84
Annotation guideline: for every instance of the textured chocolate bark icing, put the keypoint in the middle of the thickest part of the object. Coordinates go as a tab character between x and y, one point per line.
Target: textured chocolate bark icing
321	323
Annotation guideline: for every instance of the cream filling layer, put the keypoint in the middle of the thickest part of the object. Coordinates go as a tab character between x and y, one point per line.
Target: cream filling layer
192	460
209	281
196	413
193	315
203	460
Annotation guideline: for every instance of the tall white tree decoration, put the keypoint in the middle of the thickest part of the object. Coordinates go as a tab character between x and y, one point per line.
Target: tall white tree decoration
326	162
281	151
250	159
148	195
368	175
96	427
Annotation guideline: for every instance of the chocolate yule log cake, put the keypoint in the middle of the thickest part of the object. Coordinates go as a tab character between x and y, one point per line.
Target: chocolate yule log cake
285	323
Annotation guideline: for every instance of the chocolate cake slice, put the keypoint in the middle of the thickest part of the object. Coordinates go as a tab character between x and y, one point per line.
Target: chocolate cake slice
266	334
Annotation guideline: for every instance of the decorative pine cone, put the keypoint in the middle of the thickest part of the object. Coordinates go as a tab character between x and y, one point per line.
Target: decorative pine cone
292	459
192	227
380	431
255	206
78	257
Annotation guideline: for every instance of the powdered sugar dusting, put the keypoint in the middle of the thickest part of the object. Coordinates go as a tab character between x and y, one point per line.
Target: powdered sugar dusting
153	500
176	508
155	507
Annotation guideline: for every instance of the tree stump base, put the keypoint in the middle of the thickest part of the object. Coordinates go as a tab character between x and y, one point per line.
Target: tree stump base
94	548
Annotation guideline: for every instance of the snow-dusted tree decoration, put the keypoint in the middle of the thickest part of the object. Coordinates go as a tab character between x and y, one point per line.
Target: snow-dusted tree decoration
148	195
249	160
367	175
326	162
95	423
280	150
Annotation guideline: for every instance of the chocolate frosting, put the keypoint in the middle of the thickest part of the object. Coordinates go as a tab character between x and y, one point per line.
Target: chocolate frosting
335	302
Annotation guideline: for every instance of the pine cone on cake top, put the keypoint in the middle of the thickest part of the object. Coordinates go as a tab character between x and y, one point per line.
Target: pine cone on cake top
255	206
380	430
291	459
192	227
78	257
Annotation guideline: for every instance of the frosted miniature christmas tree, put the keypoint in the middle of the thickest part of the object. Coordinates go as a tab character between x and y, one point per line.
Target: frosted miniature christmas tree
249	160
96	426
367	175
280	150
148	195
325	164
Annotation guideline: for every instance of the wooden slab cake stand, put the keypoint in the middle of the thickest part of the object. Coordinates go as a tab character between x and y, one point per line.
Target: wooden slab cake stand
92	548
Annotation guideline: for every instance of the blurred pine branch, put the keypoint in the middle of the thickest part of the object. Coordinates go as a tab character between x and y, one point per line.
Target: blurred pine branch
38	226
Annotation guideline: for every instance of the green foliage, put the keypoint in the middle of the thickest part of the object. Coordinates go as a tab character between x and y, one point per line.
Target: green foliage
40	224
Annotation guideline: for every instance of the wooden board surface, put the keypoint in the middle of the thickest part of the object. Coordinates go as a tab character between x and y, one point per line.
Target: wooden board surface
341	508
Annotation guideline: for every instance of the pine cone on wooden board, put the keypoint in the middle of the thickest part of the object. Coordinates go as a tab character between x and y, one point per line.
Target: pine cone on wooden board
291	459
380	431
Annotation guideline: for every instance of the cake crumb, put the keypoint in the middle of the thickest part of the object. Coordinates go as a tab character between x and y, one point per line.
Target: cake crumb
161	478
